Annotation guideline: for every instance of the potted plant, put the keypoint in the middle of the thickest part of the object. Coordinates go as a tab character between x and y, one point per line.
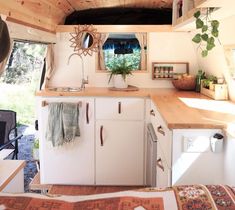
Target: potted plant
209	31
119	71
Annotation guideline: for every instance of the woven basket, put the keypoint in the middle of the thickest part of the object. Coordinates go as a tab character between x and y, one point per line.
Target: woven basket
185	83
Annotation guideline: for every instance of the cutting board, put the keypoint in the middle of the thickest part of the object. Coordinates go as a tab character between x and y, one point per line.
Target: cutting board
129	88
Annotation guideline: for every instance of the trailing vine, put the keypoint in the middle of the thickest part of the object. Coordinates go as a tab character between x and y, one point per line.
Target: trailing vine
209	31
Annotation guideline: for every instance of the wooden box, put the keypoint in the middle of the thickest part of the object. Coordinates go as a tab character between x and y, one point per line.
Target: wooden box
220	92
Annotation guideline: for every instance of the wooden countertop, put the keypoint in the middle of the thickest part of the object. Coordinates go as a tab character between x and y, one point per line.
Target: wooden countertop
179	109
8	170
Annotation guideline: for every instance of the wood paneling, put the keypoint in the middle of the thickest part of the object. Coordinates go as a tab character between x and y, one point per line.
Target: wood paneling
46	14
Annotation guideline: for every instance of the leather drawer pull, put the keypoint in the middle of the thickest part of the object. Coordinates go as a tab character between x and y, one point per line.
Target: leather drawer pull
152	112
87	113
119	107
101	136
159	164
160	130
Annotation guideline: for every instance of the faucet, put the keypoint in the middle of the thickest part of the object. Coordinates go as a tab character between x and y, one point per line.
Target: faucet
84	81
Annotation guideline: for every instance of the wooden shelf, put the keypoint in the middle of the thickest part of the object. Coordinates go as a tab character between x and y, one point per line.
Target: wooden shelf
187	22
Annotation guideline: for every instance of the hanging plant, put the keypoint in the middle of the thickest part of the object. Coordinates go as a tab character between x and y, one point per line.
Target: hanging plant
209	32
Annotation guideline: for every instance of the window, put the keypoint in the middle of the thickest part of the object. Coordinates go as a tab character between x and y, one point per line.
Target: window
230	58
116	47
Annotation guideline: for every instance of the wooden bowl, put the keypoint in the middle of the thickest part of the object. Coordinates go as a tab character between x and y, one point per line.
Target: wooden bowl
185	83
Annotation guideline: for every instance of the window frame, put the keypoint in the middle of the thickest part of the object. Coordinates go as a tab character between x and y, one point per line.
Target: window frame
98	70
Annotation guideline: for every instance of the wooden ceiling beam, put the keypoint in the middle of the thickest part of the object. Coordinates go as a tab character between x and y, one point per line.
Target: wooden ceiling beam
120	28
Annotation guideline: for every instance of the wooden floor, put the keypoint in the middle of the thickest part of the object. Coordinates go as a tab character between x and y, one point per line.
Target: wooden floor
77	190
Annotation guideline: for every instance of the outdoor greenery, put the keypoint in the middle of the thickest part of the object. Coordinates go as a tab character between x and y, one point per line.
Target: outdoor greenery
209	32
133	59
21	79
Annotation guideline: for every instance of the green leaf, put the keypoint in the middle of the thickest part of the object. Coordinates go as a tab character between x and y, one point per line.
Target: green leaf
204	37
197	14
215	24
211	40
215	32
199	23
197	38
210	46
204	28
204	53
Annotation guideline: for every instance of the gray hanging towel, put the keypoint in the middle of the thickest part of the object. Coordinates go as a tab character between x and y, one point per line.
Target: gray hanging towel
70	119
54	132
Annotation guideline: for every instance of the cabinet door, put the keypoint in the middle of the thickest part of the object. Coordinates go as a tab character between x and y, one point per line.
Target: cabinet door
120	108
163	170
119	152
71	163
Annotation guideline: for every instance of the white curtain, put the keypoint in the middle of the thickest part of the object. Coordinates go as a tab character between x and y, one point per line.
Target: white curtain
4	62
142	38
101	63
50	65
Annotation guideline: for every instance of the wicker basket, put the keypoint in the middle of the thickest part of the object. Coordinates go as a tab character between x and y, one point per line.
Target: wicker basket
185	83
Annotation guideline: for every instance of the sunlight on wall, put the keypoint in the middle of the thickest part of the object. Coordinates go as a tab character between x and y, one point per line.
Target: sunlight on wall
192	148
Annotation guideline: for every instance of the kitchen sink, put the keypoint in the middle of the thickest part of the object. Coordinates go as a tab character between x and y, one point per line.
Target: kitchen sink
65	89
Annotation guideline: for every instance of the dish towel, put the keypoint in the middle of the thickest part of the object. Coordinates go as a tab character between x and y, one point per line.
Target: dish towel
70	119
63	123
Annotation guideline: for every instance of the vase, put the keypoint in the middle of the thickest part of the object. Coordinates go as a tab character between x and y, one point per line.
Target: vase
119	81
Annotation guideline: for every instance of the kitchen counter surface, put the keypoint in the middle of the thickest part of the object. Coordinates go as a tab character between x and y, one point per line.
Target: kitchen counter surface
179	109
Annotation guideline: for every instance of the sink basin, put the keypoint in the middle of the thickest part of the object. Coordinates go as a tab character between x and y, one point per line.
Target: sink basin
66	89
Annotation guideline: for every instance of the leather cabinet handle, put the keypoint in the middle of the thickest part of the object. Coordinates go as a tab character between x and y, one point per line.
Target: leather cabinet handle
159	164
87	113
101	136
152	112
160	130
119	107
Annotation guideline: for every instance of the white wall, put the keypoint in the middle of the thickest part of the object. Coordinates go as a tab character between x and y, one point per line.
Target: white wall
215	62
176	46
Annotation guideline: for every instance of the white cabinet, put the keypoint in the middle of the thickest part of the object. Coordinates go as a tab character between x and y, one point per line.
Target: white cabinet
71	163
120	141
119	156
184	156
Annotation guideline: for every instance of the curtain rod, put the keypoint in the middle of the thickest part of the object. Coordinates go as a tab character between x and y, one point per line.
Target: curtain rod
32	41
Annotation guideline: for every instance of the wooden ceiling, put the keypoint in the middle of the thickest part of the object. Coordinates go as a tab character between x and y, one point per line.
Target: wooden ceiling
47	14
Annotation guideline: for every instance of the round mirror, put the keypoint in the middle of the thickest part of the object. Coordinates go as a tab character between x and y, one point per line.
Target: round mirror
85	40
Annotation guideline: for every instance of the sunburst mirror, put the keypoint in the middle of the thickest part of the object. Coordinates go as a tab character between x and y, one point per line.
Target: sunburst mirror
85	40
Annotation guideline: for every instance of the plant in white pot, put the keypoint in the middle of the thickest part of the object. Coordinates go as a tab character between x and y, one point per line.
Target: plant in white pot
119	72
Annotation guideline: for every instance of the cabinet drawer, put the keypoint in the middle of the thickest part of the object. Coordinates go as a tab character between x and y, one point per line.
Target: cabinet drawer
120	108
164	135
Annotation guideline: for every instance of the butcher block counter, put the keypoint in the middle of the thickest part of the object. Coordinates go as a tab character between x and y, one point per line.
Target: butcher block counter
179	109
